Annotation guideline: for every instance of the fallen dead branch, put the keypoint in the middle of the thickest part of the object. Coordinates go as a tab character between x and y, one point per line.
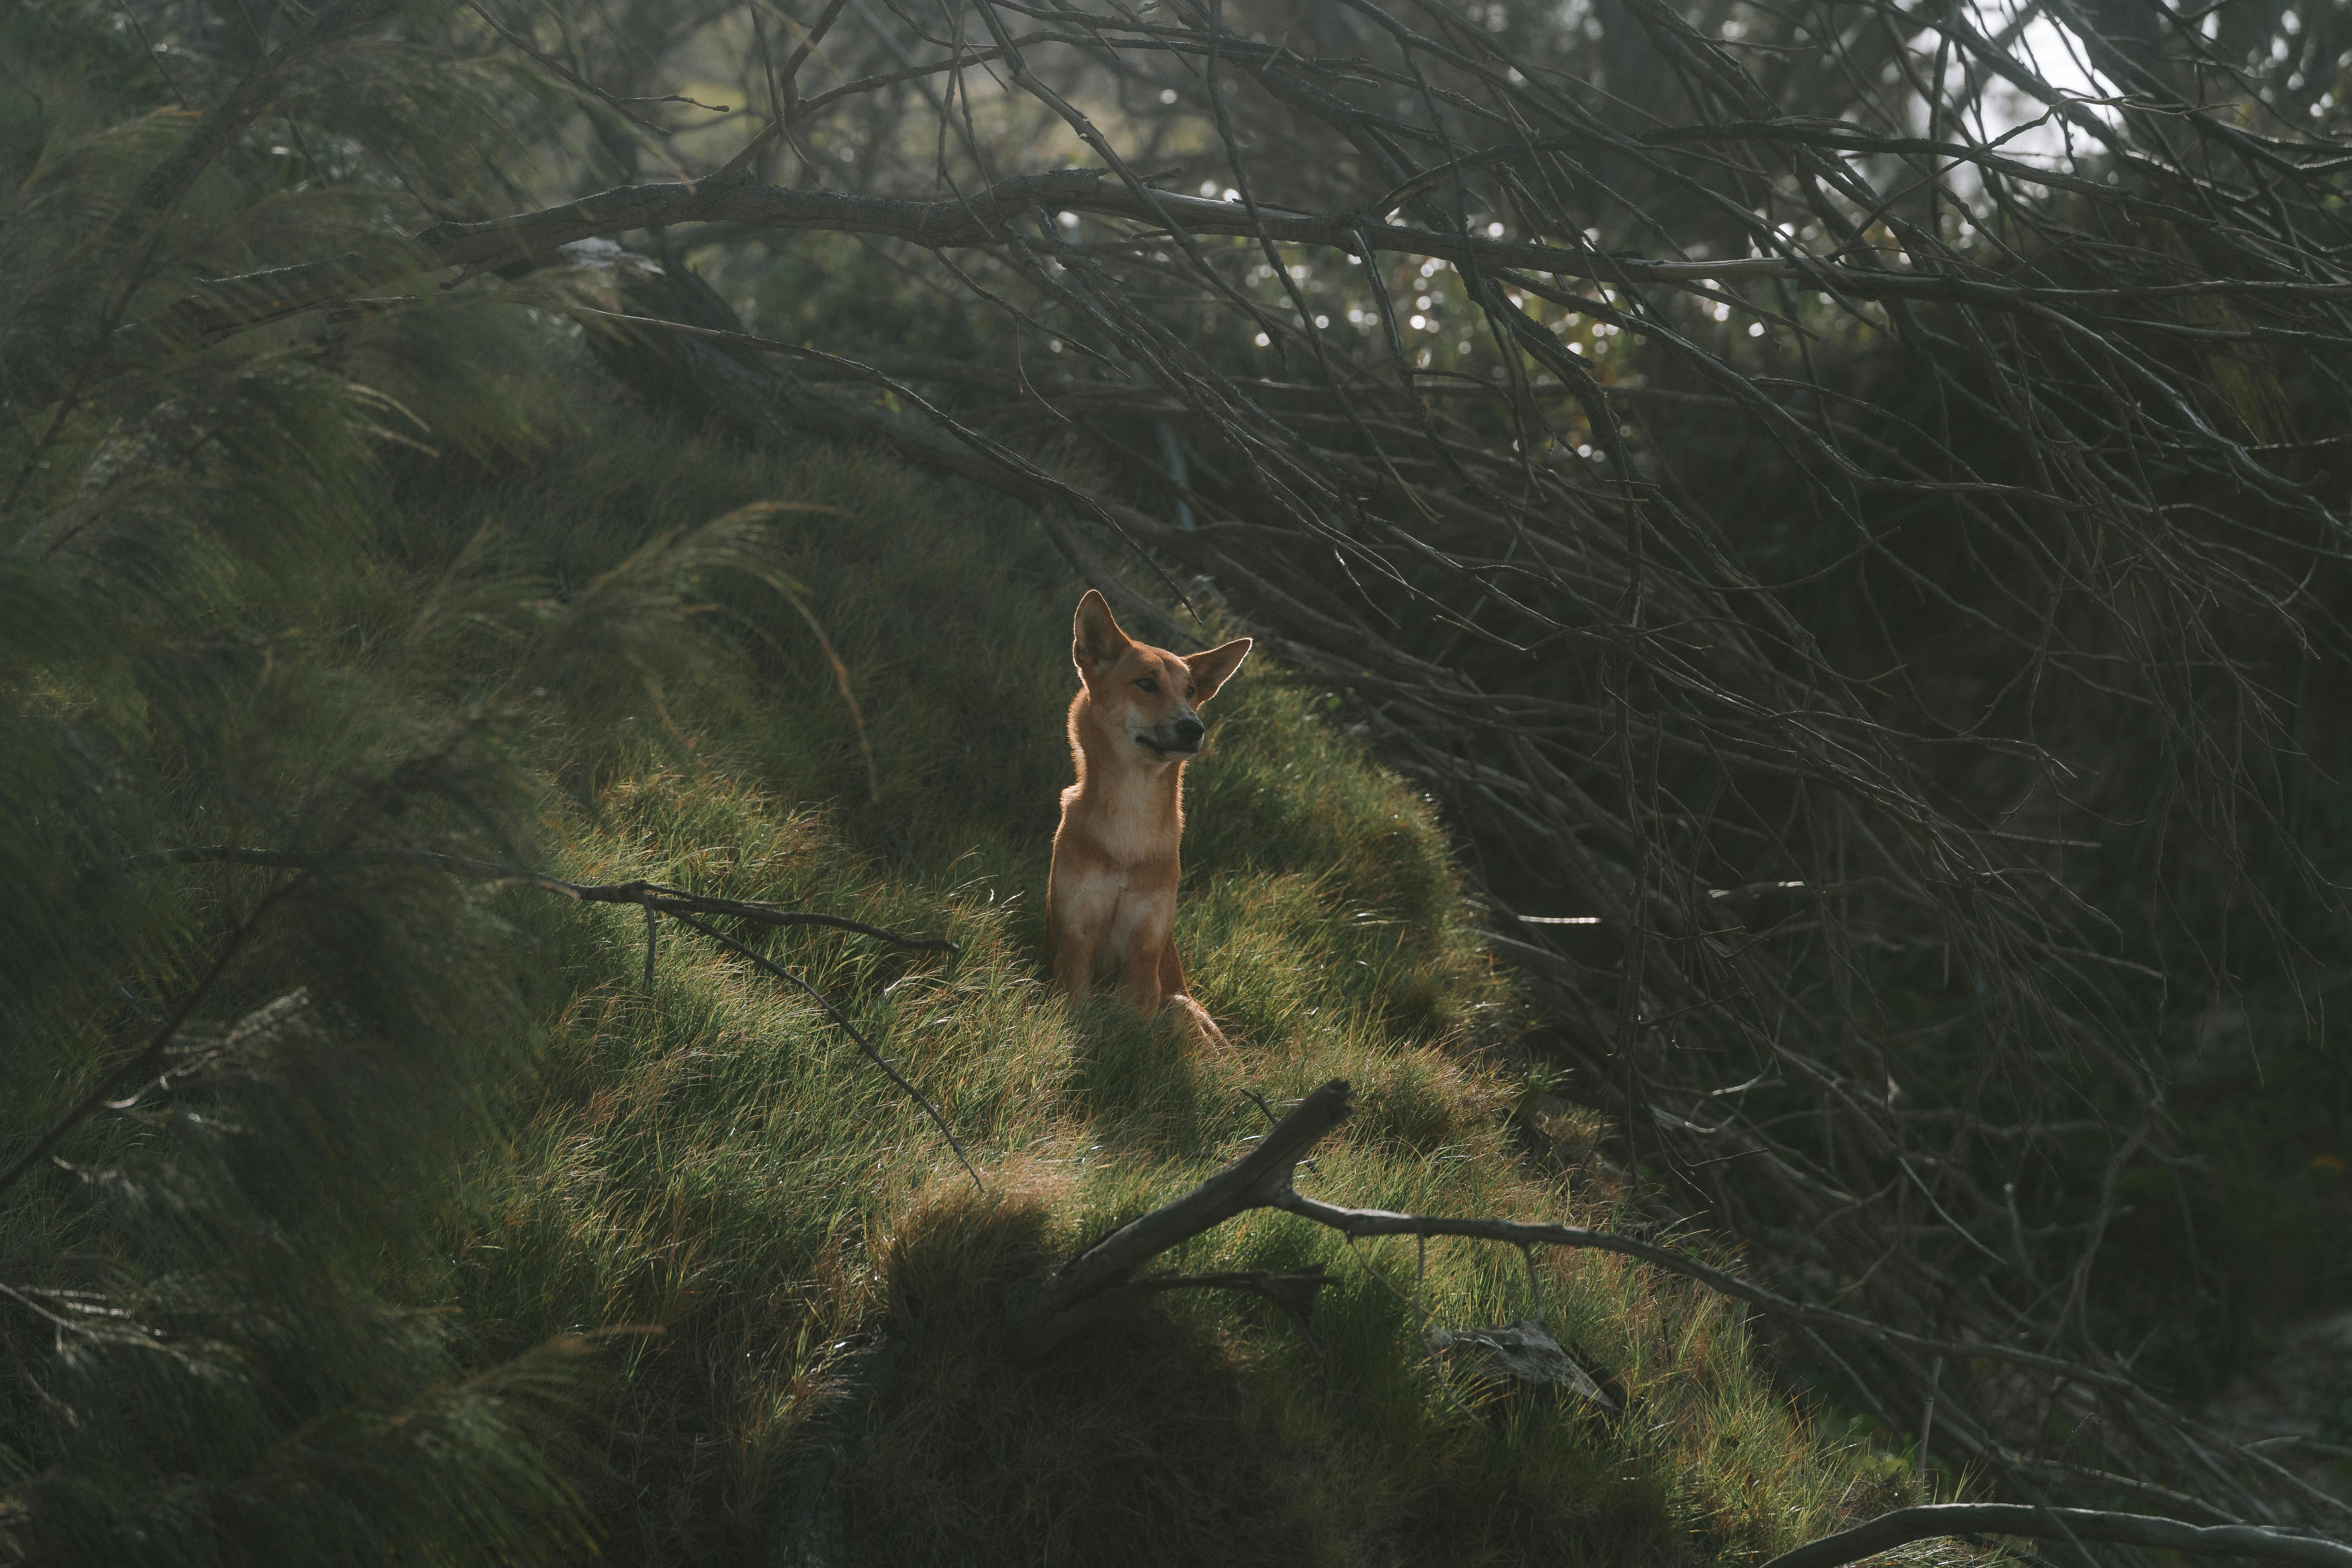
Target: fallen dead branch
2074	1525
1254	1181
1063	1305
1263	1179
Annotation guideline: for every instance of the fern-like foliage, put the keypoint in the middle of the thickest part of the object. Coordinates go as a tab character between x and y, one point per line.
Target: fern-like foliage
210	1349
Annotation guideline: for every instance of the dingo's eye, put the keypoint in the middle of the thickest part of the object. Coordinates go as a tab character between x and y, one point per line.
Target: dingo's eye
1149	684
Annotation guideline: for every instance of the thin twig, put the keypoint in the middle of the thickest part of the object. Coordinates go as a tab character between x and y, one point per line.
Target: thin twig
652	896
848	1029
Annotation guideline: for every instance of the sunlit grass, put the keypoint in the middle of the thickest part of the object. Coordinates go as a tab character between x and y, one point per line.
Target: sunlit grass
713	1162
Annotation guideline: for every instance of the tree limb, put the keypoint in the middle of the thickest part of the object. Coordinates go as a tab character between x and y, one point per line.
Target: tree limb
987	218
1904	1525
1051	1314
1262	1179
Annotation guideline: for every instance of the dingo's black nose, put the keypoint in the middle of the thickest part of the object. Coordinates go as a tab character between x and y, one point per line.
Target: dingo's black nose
1189	732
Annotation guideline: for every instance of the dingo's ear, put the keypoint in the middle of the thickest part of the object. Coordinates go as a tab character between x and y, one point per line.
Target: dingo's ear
1095	636
1211	669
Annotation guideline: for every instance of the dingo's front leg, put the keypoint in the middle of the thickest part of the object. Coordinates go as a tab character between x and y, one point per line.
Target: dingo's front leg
1139	970
1079	905
1074	960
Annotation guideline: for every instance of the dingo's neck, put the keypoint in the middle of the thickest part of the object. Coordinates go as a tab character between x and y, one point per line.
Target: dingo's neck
1129	803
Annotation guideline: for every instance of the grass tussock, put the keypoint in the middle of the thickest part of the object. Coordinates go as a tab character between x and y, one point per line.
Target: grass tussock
713	1168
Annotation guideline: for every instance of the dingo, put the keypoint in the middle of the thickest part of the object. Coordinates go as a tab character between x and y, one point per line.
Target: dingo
1110	901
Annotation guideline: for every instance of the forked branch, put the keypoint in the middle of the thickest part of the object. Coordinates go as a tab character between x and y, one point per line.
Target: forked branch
1252	1181
1263	1177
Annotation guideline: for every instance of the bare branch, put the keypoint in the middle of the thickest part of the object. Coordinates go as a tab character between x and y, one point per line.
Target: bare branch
988	217
1904	1525
654	896
1254	1181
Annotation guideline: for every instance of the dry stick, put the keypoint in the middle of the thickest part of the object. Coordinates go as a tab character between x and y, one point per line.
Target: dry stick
784	95
1051	1314
653	896
2151	1530
1927	1418
650	895
618	105
653	937
848	1029
1357	1224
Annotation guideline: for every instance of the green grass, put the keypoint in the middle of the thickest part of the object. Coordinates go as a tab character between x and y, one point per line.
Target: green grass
712	1168
501	1250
